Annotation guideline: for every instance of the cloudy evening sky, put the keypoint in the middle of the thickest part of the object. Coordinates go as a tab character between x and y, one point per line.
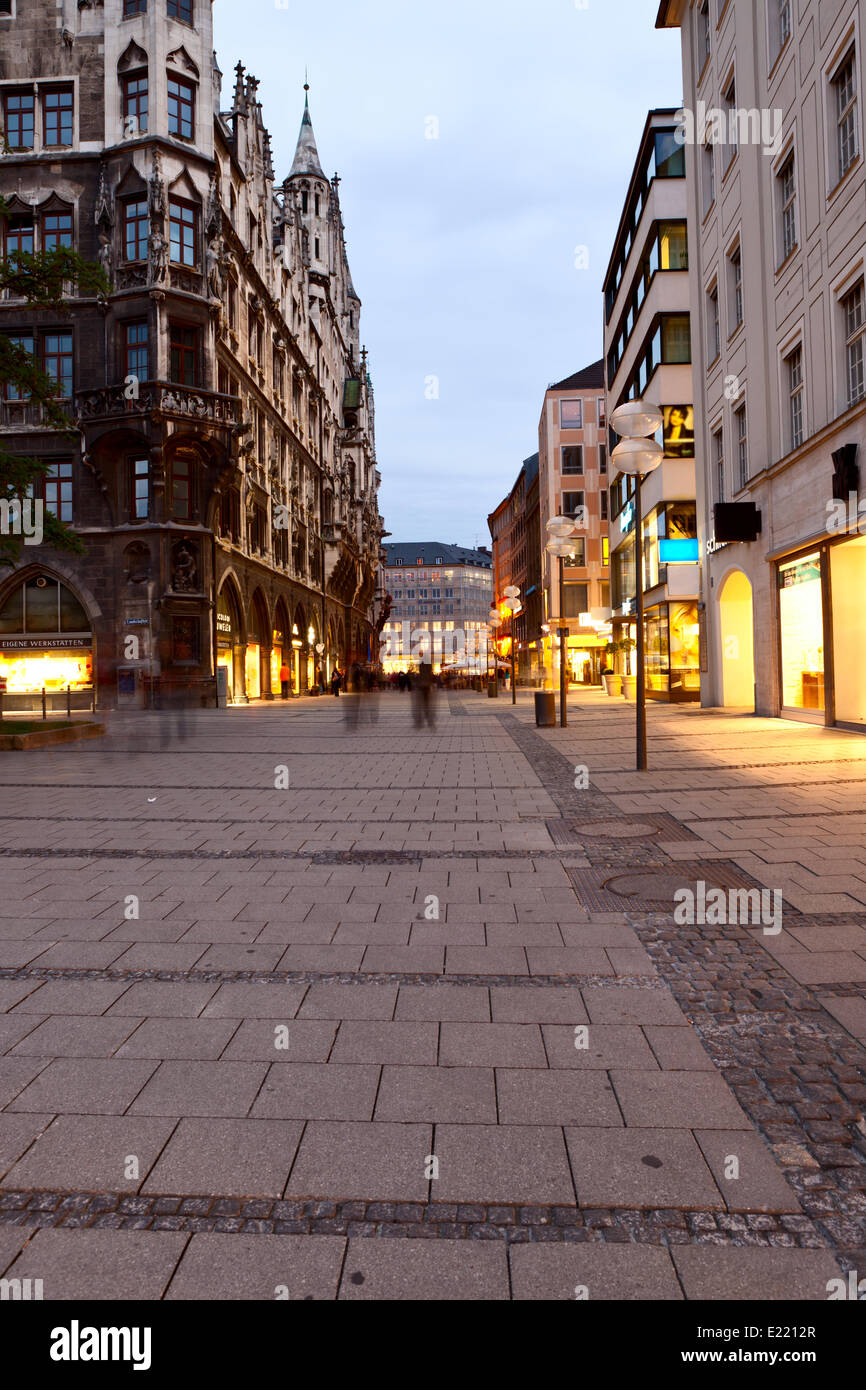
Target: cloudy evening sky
462	248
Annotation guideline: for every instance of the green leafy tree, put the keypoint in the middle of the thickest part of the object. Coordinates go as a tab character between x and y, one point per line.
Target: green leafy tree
43	280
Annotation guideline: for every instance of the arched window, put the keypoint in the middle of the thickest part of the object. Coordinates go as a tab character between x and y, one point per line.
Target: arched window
42	605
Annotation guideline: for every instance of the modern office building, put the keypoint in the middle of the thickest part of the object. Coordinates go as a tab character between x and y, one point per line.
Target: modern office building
773	131
221	471
440	597
647	343
573	482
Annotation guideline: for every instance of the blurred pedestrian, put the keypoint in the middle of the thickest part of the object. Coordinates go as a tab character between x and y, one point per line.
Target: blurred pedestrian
336	683
424	709
285	678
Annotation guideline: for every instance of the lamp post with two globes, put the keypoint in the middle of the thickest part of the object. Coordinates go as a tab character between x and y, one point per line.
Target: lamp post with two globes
638	454
561	531
494	622
514	607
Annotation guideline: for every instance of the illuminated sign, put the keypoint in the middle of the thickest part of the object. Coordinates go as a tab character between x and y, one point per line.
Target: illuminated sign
678	552
626	520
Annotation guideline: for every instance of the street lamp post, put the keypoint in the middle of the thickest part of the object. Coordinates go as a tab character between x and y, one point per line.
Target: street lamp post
514	606
561	531
494	622
638	454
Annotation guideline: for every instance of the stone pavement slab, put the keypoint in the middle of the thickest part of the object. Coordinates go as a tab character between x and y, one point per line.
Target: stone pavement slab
425	1271
487	1163
90	1153
379	1162
787	1276
593	1272
200	1088
130	1266
258	1269
313	1091
641	1168
83	1086
226	1158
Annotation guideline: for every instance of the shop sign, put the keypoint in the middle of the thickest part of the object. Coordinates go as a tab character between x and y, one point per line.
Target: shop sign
626	520
806	571
44	644
224	625
678	552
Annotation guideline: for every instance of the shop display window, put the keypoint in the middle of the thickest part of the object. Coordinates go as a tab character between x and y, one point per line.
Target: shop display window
801	616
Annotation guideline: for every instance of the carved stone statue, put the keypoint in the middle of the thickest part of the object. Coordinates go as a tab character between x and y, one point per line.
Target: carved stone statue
158	257
184	579
216	267
157	188
106	255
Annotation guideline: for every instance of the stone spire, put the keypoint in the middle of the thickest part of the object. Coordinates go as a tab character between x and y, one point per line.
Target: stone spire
306	155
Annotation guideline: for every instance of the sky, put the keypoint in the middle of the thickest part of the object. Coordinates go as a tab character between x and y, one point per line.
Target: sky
482	144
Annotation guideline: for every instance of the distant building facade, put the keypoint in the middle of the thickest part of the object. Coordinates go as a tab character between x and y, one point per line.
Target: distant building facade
648	352
223	473
573	482
439	599
514	528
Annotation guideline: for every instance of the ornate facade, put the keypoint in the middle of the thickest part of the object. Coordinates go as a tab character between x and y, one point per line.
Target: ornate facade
222	473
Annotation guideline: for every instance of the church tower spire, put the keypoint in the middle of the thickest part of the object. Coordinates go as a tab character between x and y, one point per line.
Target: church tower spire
307	155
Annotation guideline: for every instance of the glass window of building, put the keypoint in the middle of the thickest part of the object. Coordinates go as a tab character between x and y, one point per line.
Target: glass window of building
801	613
571	415
855	327
794	366
845	86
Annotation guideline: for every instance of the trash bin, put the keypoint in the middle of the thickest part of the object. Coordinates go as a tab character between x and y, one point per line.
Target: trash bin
545	709
493	688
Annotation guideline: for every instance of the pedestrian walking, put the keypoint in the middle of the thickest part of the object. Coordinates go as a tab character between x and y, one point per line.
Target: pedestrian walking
336	683
285	678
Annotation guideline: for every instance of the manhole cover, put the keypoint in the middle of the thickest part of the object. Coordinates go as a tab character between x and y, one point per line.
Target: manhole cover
660	888
614	830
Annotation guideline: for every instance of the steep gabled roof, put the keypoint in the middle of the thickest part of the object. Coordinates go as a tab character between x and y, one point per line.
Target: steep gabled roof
590	378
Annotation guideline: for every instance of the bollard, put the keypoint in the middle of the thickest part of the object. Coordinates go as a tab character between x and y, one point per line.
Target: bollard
44	706
68	701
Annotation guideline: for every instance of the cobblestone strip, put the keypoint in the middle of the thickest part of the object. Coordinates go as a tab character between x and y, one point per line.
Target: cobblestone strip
800	1078
311	977
414	1220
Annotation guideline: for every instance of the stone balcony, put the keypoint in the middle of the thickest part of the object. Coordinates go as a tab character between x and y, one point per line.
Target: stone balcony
159	398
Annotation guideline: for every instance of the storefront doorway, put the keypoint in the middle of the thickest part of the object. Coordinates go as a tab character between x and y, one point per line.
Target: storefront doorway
848	585
46	643
737	626
801	629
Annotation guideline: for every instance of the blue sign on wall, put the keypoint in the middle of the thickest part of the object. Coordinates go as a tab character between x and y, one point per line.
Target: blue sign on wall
684	552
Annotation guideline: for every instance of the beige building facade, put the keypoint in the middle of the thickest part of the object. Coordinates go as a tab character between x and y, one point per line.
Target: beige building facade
773	135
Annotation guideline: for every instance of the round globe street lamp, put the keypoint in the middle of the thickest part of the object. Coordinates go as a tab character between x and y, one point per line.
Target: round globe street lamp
514	606
561	531
637	454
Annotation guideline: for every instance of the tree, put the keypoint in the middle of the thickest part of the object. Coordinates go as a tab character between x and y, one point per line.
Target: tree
42	280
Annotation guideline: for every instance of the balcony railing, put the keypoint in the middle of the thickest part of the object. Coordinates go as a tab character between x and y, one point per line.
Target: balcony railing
17	415
163	398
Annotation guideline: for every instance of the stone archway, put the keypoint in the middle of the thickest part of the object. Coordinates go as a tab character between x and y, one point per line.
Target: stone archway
258	653
737	635
231	639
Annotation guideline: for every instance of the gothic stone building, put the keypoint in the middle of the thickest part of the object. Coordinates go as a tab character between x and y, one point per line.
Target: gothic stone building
222	471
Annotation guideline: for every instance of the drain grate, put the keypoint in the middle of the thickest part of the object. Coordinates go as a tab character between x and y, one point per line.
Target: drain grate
653	826
613	888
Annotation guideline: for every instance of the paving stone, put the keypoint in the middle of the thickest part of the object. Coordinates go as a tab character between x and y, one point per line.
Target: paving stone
82	1086
395	1043
257	1039
17	1133
554	1004
244	1001
628	1005
247	1158
225	1269
491	1045
12	1241
448	1003
90	1153
200	1088
14	1027
640	1168
378	1162
760	1184
76	1036
458	1095
607	1045
715	1274
677	1049
71	997
678	1100
614	1273
310	1091
512	1163
556	1098
75	1266
336	1001
443	1270
179	1039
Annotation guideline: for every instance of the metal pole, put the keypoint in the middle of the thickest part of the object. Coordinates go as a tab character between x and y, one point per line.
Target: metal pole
640	693
563	649
68	701
44	707
513	684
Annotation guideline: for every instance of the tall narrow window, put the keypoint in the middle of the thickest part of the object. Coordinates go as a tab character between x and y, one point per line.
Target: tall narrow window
676	338
714	327
704	32
139	484
794	365
19	110
736	272
852	306
135	353
572	460
184	354
57	490
730	100
784	22
57	361
181	489
788	203
57	116
709	177
10	390
56	231
136	230
19	239
602	459
180	9
742	446
719	464
135	104
183	233
132	7
845	84
181	108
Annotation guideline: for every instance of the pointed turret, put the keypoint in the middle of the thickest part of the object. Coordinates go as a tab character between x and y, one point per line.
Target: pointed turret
306	155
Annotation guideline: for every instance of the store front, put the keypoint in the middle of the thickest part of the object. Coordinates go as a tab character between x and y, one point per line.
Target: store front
258	652
46	643
801	637
848	586
673	662
228	641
